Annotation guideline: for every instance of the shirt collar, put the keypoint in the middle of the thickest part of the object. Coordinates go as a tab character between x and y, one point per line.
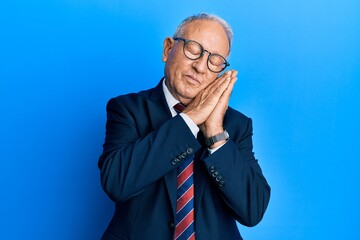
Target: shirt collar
170	99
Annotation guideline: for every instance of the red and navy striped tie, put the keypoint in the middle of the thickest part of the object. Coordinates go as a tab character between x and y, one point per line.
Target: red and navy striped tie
184	222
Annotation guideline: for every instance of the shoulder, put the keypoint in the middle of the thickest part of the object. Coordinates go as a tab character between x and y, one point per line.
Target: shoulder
237	123
130	100
133	99
234	115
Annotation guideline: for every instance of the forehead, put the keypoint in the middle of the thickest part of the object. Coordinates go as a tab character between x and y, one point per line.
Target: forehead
210	34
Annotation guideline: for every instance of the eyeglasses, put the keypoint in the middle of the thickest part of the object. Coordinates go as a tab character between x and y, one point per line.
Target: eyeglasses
194	51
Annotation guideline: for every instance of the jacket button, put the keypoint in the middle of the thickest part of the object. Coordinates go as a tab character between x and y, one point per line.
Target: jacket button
212	169
175	161
221	183
218	178
189	150
171	225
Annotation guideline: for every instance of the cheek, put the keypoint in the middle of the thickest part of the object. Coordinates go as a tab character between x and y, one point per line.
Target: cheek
210	77
175	67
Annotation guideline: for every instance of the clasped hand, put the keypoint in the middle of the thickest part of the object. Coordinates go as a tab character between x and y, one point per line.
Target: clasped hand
208	108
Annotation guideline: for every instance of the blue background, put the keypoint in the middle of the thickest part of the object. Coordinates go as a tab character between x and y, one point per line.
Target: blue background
61	60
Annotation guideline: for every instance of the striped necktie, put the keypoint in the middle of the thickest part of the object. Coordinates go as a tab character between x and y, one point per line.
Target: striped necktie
184	222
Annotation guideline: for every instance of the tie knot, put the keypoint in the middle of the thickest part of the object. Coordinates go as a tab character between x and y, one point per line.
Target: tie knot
179	107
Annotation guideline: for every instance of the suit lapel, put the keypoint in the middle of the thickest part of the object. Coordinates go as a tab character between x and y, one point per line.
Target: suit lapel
159	113
158	110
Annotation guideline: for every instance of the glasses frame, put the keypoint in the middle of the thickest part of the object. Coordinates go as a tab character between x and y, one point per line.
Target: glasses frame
203	50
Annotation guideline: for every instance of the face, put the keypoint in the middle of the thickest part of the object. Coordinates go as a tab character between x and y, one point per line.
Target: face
185	78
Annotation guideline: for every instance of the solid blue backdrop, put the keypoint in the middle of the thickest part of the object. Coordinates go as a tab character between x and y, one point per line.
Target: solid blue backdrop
61	60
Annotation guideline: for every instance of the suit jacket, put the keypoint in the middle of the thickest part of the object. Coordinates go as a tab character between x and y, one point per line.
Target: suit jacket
143	147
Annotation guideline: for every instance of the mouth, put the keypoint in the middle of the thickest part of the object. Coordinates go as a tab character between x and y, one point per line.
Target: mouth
191	79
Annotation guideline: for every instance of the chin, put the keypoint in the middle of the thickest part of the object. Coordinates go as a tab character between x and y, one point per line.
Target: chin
188	96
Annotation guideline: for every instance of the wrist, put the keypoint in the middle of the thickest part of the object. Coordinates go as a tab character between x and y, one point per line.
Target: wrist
217	144
211	131
217	139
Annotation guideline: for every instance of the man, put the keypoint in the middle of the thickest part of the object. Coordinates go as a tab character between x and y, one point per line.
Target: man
150	145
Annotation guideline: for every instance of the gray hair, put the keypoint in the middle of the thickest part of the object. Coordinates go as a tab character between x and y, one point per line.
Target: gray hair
205	16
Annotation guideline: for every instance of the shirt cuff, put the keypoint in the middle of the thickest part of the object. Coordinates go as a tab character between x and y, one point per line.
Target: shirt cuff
211	151
193	127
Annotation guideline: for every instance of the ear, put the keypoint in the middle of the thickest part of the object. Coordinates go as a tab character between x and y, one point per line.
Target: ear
168	44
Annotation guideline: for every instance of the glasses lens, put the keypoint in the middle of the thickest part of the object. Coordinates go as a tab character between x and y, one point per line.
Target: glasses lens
216	62
193	50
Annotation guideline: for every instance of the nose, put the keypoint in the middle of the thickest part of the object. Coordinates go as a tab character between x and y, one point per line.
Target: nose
200	64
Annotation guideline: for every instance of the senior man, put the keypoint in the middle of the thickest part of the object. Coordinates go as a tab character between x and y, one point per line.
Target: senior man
178	161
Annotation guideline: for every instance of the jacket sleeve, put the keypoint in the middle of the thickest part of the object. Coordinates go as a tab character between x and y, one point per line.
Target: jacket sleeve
134	156
238	175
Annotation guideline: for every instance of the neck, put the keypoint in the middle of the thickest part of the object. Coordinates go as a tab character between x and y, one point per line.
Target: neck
183	101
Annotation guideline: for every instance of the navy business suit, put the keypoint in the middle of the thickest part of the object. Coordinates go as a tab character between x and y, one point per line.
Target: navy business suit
143	147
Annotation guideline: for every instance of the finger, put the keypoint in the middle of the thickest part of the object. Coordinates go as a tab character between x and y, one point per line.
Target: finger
234	73
224	99
216	88
211	94
219	80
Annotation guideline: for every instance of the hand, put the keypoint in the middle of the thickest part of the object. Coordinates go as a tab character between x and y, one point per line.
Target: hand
214	123
208	108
